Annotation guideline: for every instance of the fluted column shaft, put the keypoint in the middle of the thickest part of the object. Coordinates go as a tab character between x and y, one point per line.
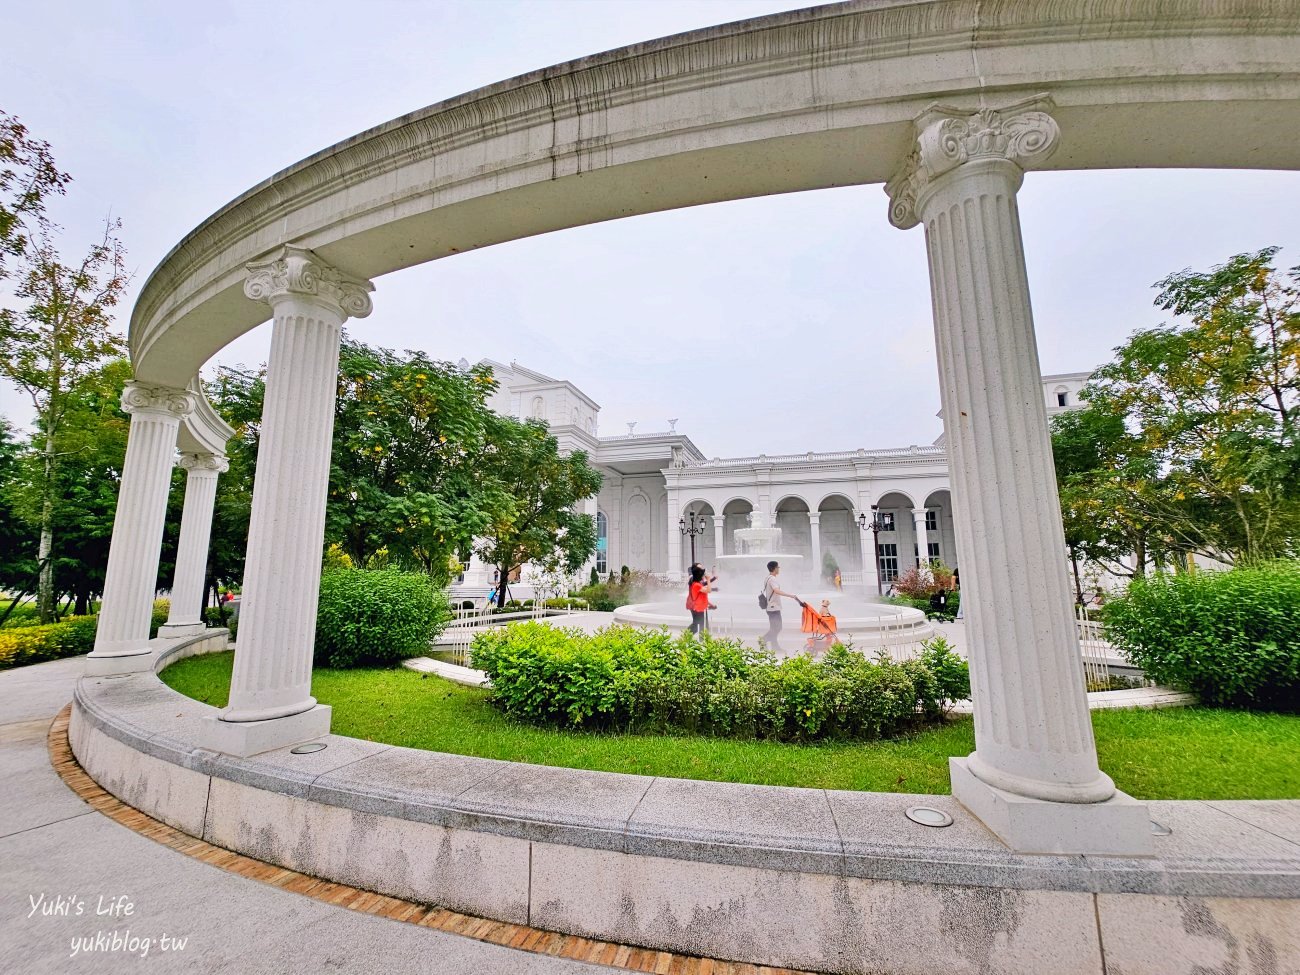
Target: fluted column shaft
815	531
1032	730
674	538
202	471
277	619
131	579
922	537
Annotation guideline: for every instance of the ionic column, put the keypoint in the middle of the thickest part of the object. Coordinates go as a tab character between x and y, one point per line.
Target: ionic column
131	580
277	621
719	534
922	537
1032	730
815	530
202	471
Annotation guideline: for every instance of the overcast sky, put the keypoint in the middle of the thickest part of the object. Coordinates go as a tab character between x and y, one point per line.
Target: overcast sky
782	324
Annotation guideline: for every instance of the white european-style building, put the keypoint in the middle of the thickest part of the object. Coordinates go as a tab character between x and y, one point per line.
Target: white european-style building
655	481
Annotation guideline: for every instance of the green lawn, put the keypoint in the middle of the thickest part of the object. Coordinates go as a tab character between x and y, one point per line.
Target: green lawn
1175	753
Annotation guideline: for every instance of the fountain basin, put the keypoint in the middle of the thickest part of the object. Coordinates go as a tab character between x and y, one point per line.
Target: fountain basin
867	624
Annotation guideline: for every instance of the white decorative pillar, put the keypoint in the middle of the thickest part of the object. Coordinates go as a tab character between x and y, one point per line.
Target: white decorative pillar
815	530
719	534
270	690
867	545
186	616
675	563
1033	778
131	580
922	537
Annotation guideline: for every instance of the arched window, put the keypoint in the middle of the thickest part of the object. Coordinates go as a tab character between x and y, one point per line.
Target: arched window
539	408
602	543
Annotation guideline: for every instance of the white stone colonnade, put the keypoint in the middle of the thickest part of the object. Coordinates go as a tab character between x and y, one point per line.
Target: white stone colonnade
809	99
130	582
270	690
1034	777
201	472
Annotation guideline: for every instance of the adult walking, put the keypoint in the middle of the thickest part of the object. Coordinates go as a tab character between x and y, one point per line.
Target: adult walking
697	600
771	599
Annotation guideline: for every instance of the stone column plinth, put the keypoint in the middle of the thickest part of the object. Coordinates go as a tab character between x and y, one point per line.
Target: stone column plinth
186	616
270	691
922	537
131	580
815	531
1033	778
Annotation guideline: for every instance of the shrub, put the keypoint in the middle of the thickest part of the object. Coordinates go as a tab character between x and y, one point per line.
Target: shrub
71	636
629	678
214	616
571	602
376	616
1233	637
32	644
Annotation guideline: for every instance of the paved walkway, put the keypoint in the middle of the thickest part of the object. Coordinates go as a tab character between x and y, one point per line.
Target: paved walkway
53	844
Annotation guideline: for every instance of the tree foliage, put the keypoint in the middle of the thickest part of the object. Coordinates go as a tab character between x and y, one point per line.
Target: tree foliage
409	436
58	335
28	176
1100	469
540	523
1208	459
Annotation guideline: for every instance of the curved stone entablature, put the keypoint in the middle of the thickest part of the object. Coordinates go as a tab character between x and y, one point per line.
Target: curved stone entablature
804	100
826	880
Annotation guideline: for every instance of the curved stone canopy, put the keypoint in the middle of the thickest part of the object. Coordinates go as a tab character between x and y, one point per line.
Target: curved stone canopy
803	100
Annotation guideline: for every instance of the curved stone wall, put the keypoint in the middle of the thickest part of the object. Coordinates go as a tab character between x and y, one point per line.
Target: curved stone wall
807	878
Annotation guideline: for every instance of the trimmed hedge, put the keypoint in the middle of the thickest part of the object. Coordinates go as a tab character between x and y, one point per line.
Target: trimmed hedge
371	617
69	637
632	679
1233	637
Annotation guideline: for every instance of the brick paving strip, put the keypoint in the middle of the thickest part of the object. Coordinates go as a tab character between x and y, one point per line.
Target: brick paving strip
515	936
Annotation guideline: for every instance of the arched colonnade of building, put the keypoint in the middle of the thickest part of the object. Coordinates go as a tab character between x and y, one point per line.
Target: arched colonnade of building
947	103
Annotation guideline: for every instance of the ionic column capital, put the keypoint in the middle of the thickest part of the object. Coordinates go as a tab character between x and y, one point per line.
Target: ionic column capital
199	463
946	137
296	272
169	401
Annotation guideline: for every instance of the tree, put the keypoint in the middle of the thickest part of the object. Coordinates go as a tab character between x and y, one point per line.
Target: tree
28	176
540	525
18	564
1099	467
1213	403
55	343
409	434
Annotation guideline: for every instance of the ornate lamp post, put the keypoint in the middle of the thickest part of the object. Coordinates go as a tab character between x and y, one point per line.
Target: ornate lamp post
696	527
874	525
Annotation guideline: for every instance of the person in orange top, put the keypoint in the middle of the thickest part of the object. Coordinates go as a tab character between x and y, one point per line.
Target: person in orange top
698	599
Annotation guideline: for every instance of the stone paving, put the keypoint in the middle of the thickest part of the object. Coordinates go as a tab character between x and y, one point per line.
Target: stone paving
54	844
